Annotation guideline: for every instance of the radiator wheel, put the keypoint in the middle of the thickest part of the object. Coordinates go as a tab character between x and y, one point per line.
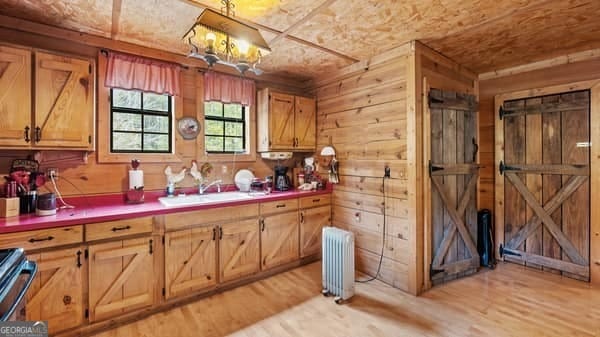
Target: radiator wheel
338	300
325	292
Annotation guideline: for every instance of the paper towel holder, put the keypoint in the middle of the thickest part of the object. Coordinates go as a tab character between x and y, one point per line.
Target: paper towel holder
135	194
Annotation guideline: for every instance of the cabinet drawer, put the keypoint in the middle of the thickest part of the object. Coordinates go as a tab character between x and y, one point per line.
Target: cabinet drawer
116	229
209	216
278	206
42	238
315	201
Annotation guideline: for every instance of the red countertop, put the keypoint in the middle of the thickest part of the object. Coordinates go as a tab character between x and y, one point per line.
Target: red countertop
91	209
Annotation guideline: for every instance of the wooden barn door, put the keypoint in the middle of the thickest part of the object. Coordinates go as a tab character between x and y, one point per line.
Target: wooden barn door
546	182
454	173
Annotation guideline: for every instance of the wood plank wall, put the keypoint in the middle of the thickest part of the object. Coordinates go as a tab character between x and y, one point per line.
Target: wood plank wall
372	115
543	77
98	178
362	113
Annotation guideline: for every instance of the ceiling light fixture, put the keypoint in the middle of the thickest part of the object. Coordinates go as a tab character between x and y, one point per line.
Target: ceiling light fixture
220	38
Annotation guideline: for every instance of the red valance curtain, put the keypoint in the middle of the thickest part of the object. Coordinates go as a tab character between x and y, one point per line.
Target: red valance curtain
228	89
134	72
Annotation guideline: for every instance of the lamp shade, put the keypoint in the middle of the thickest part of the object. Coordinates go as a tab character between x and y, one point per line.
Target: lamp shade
328	151
228	38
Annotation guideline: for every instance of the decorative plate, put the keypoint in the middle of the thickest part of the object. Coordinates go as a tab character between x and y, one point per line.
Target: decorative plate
188	127
243	179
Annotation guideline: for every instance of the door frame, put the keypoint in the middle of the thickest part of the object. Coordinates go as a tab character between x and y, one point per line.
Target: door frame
594	87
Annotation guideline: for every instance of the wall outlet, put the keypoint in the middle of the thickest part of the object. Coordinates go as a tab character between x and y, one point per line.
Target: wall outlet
52	172
387	172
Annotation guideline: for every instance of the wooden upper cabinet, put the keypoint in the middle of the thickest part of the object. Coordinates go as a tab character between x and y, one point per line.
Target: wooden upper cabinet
64	102
286	122
281	121
305	123
15	97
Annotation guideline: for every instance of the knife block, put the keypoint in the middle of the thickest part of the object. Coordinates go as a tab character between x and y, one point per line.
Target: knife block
9	207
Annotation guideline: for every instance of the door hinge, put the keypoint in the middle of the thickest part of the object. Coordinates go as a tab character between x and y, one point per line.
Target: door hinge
151	246
87	313
164	292
86	253
78	259
434	271
90	68
89	139
163	239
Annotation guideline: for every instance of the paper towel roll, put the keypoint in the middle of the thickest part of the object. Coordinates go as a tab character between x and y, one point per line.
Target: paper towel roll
136	179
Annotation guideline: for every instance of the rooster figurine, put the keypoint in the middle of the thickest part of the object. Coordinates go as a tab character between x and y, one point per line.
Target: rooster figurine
195	173
173	178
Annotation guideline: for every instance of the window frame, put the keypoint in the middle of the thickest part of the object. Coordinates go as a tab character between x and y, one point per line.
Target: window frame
245	129
142	112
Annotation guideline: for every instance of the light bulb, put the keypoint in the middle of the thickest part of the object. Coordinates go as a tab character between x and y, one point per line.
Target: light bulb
210	39
243	47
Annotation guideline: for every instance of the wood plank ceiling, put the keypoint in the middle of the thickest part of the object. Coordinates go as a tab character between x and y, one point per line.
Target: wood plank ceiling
312	37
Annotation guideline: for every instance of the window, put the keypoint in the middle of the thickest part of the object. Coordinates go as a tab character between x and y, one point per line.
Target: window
141	122
225	127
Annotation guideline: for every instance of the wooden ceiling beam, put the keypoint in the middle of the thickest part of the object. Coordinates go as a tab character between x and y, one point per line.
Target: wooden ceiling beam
280	33
116	15
307	17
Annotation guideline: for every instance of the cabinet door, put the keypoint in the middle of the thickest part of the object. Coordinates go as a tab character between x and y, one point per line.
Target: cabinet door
15	97
239	253
190	260
64	98
121	277
56	294
312	221
305	124
279	238
281	121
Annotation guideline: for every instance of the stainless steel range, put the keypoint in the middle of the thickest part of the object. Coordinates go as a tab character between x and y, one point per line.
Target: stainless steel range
16	275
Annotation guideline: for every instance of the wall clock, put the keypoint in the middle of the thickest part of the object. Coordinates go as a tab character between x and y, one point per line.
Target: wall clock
188	127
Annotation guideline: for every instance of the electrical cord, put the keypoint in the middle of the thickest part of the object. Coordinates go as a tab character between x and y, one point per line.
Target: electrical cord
65	205
382	241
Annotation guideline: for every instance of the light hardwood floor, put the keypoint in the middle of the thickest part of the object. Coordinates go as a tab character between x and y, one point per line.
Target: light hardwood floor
509	301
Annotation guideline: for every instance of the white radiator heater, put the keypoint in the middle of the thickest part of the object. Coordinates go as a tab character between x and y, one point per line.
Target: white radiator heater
338	263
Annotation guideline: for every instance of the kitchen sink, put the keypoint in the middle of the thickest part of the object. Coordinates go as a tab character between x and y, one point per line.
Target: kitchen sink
200	199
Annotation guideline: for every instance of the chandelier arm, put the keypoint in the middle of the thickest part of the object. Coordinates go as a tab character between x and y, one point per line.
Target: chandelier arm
195	48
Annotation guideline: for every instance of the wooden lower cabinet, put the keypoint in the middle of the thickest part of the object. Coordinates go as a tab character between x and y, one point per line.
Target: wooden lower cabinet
190	260
312	221
56	294
121	277
279	239
239	253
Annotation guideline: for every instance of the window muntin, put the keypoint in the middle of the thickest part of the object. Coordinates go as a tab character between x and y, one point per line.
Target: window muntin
225	127
141	122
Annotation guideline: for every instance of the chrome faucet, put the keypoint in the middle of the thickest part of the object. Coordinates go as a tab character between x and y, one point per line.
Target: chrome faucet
202	187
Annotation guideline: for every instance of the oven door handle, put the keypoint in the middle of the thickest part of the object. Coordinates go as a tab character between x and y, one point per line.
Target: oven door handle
28	267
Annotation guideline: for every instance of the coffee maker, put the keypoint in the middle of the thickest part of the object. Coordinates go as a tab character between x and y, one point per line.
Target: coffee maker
281	180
